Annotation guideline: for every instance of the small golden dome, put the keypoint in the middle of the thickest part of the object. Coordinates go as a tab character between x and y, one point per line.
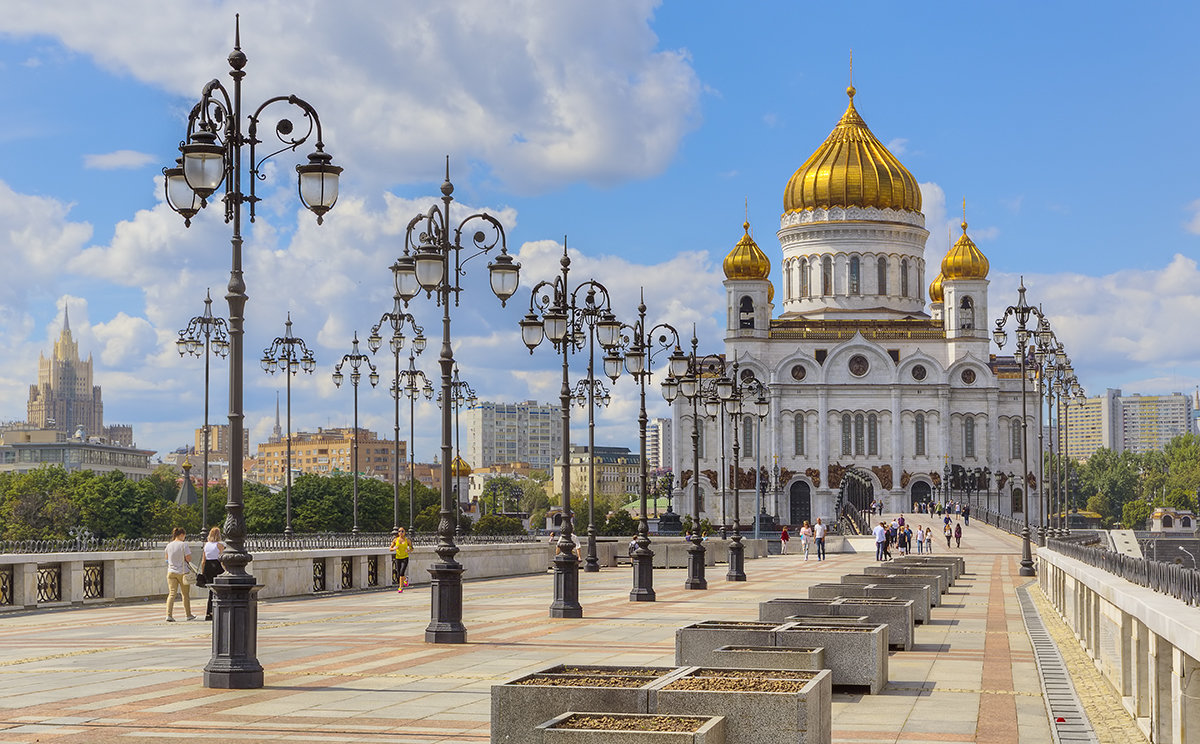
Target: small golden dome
935	290
770	292
852	169
746	260
459	467
965	260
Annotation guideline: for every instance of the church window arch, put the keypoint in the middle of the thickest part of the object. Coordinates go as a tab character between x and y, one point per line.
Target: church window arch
872	434
698	428
846	434
966	319
904	277
858	434
919	433
969	436
827	275
1167	522
748	424
1017	439
746	312
789	274
881	270
804	278
1185	522
798	434
855	274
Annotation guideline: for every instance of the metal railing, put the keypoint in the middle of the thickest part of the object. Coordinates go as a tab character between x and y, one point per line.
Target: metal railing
82	545
1166	578
255	543
854	521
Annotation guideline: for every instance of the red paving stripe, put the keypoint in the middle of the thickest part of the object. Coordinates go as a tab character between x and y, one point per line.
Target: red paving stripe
997	721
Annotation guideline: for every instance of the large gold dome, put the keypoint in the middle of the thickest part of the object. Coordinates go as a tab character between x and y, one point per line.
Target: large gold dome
964	260
852	169
746	260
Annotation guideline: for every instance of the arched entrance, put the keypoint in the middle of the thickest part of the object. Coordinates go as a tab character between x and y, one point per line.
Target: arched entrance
799	503
922	492
858	489
1017	502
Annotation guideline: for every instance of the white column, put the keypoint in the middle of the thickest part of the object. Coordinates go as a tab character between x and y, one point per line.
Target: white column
898	448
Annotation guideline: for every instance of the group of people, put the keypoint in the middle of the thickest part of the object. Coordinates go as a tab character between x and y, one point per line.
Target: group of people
182	573
899	533
810	534
957	508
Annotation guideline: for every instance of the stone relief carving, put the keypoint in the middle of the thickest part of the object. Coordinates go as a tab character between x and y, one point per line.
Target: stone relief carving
905	479
684	478
815	476
884	474
836	472
711	475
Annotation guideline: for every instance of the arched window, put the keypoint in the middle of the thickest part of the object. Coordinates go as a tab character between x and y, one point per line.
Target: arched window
881	275
1017	504
845	434
827	275
966	318
748	423
787	283
1185	521
699	430
798	434
855	274
904	277
804	278
746	313
872	435
919	433
858	434
1017	439
1168	523
969	436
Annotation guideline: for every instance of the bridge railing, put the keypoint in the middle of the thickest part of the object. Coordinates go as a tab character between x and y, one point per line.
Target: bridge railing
254	542
1167	578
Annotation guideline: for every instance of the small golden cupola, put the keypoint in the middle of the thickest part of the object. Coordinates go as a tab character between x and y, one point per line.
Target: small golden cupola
964	260
746	260
852	169
936	295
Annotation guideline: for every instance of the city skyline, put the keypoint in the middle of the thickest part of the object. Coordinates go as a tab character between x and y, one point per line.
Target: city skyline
644	132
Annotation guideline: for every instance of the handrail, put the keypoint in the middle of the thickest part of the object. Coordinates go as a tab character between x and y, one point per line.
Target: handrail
254	543
1166	578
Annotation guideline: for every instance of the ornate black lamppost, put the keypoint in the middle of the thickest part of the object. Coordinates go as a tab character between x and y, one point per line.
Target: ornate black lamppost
460	392
1043	356
433	261
355	359
398	320
737	403
588	392
411	389
558	313
212	155
290	354
1022	312
640	345
205	334
1071	391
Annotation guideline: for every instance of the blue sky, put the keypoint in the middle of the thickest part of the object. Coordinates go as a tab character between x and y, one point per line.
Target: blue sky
640	130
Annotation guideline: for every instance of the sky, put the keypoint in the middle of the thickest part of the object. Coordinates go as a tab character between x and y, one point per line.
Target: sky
642	132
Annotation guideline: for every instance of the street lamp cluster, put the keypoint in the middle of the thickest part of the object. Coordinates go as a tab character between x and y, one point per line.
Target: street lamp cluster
460	392
204	336
356	359
290	354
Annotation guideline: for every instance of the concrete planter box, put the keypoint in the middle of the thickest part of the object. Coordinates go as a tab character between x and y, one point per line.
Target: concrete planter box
758	716
936	578
945	571
798	659
897	614
695	643
935	598
519	706
956	562
709	730
855	656
918	594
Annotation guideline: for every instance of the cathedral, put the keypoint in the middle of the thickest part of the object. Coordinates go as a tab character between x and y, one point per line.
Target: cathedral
876	391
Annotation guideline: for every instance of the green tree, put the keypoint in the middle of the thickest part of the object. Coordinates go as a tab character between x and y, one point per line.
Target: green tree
502	494
618	523
37	506
1134	514
495	524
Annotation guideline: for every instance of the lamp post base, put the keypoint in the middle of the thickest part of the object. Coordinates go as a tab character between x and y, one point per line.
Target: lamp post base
566	588
643	575
695	576
737	559
446	624
233	665
1026	555
591	564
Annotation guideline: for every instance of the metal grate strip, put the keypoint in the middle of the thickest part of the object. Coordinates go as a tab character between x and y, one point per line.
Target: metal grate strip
1068	723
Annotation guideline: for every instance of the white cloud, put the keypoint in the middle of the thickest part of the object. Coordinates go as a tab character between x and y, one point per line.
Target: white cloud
898	146
569	91
1193	223
118	160
37	239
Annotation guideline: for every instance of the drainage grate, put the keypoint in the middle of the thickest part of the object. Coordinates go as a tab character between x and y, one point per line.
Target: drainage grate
1068	722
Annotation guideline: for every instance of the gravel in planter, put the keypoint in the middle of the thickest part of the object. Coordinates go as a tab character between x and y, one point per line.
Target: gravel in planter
695	643
602	728
631	723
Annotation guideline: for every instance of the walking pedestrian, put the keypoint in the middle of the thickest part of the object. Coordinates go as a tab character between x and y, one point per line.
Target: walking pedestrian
784	537
819	537
880	540
401	547
210	565
949	533
805	538
967	515
902	541
929	541
958	535
179	557
920	539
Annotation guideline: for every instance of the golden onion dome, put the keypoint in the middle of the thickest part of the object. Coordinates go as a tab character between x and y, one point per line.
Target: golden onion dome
459	467
936	295
746	260
964	260
770	292
852	169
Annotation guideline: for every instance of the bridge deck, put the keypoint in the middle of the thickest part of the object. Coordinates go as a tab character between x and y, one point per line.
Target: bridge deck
354	667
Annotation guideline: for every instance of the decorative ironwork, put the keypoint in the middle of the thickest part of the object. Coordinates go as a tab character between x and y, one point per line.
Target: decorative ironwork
256	543
347	572
93	581
1166	578
49	583
372	570
318	574
6	585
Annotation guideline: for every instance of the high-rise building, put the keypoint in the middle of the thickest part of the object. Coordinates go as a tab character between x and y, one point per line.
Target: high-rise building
218	441
326	451
514	432
618	471
658	444
1133	423
64	397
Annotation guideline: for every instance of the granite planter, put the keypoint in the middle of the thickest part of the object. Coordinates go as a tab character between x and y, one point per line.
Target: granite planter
955	562
897	614
797	659
856	656
934	600
695	643
935	577
520	705
918	594
631	728
762	707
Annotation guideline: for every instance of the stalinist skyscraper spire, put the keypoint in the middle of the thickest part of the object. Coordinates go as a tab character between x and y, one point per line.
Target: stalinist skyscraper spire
64	397
277	432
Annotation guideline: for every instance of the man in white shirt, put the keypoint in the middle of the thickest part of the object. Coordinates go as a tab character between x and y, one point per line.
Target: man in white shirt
819	536
178	556
880	540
